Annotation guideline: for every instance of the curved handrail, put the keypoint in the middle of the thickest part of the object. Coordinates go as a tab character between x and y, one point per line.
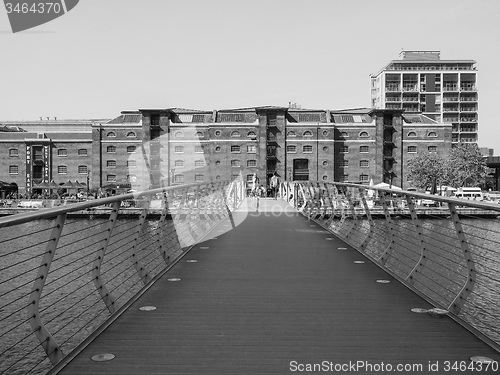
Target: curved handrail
61	277
448	254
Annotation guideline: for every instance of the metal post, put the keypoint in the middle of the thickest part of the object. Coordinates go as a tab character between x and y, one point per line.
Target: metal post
390	224
143	274
369	236
54	352
423	251
108	299
468	287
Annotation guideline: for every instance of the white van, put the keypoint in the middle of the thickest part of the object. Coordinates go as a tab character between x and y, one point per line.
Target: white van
474	193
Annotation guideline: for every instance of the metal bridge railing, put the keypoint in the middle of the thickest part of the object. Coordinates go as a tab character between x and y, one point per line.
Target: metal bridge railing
445	249
64	277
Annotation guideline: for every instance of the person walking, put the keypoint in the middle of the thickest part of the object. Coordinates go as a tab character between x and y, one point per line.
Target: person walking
274	185
255	184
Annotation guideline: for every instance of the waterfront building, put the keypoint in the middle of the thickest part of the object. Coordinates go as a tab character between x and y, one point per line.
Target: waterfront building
150	148
444	90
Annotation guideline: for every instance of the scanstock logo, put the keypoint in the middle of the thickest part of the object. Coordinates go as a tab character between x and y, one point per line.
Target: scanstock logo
26	14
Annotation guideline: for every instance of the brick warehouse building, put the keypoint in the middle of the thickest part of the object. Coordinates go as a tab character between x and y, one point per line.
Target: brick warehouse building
161	147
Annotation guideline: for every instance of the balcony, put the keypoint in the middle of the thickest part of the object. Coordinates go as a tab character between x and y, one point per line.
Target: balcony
450	87
468	109
412	87
468	99
467	87
468	119
450	109
450	119
410	99
450	99
392	88
392	99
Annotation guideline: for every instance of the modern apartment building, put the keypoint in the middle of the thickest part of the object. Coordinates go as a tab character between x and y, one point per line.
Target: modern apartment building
444	90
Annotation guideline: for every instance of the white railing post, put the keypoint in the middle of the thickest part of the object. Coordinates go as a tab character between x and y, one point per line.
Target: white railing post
108	299
143	274
388	251
52	349
458	302
417	227
369	236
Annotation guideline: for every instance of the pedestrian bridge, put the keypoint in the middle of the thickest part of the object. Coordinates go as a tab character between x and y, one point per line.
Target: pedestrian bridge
328	278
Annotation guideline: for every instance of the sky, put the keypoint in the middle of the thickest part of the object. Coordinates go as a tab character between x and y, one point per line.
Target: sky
106	56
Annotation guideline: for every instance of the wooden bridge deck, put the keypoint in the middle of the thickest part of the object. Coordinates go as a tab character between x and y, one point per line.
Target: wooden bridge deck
272	294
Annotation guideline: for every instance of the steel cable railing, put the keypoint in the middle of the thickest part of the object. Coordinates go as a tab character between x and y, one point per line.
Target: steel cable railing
53	275
447	252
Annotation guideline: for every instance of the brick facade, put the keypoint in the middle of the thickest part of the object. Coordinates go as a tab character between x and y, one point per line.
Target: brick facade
160	147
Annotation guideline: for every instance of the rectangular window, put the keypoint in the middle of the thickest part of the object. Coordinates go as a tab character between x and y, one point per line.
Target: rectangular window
364	149
131	163
252	149
345	177
13	152
82	152
62	152
179	163
199	178
198	149
179	149
307	149
235	149
363	178
179	178
199	163
111	149
111	178
412	149
62	169
344	149
432	148
13	169
291	148
235	163
155	119
251	163
82	169
37	153
345	163
111	164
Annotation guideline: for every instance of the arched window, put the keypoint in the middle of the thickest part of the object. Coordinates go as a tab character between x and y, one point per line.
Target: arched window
307	133
432	134
412	134
199	135
344	134
235	134
111	134
179	134
291	133
363	135
251	135
131	135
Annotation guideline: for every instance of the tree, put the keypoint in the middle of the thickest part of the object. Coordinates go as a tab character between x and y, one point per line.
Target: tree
465	166
427	170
